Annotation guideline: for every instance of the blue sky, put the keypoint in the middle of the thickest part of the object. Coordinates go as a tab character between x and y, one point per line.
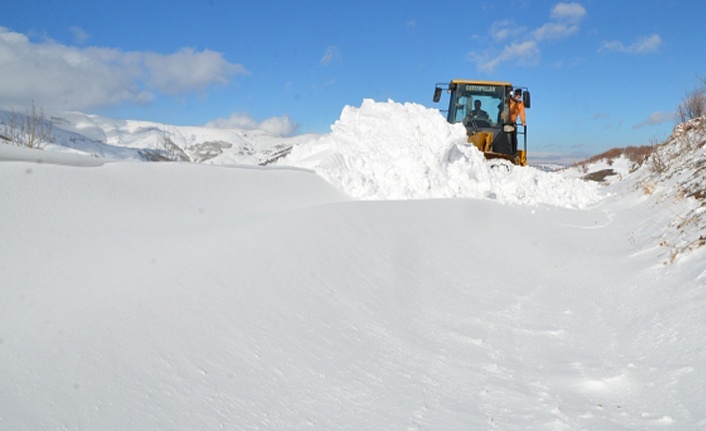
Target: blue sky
601	74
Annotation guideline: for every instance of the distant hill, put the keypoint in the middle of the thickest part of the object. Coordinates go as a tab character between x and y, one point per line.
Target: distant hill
93	135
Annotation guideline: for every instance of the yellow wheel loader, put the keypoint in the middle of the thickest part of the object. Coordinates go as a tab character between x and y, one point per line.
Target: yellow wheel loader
490	111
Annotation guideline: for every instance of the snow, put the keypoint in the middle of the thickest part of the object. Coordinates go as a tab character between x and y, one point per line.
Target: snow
613	170
407	151
114	139
368	281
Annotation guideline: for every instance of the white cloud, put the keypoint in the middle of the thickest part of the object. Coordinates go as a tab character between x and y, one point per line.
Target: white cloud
555	30
524	53
188	70
332	53
504	30
277	126
58	76
643	45
523	47
235	121
656	118
568	11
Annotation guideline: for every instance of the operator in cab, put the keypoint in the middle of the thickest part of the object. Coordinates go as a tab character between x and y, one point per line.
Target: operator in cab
477	112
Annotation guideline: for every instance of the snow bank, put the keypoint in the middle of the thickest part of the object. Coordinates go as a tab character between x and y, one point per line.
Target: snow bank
664	183
672	180
378	151
390	150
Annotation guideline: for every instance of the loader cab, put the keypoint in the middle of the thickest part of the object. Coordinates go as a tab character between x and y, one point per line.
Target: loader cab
476	106
483	107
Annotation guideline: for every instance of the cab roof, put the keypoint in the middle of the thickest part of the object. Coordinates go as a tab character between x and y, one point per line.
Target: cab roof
470	81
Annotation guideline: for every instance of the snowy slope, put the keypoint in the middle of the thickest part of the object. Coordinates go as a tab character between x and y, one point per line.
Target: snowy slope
670	181
97	136
171	296
674	178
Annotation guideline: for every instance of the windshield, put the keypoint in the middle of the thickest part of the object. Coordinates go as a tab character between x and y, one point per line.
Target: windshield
478	104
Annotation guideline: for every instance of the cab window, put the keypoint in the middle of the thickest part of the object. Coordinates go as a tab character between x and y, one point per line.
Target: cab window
491	98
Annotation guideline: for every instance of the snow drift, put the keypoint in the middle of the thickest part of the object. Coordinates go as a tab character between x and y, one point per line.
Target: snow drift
378	151
407	151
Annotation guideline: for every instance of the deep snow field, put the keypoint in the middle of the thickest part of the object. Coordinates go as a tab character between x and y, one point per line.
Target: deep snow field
380	277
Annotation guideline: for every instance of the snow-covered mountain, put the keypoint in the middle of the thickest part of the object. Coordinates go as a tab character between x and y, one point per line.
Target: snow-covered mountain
93	135
382	276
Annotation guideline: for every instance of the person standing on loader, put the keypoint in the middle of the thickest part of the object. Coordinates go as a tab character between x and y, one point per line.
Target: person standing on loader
517	107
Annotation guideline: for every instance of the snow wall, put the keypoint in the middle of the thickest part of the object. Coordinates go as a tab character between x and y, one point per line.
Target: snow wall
388	150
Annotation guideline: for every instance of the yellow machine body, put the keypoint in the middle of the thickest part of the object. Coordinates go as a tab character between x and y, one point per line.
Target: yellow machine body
483	107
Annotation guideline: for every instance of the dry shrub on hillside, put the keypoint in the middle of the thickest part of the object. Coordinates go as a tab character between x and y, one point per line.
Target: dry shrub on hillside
687	138
693	105
677	178
31	129
637	155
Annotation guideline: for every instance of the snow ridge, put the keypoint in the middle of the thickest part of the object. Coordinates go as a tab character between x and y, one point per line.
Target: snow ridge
378	151
388	150
674	178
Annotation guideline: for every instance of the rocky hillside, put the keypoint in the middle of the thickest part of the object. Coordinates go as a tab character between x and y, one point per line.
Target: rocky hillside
674	176
668	179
